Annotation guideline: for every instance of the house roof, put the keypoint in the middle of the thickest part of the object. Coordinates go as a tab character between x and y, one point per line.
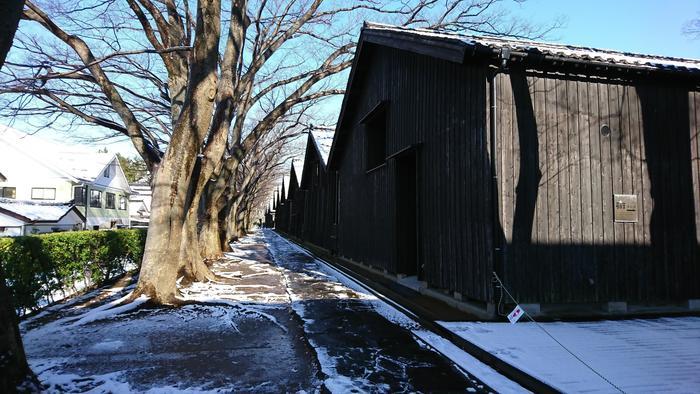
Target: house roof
77	163
3	178
316	151
537	48
35	211
322	140
459	47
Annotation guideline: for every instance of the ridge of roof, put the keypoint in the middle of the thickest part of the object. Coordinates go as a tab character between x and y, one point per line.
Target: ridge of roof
574	52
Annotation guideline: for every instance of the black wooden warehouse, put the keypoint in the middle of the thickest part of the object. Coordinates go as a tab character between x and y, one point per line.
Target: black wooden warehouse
571	172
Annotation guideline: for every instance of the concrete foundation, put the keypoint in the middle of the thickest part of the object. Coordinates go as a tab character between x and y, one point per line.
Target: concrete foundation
616	307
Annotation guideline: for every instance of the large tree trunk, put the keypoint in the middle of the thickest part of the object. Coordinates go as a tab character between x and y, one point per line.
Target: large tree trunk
14	369
160	265
210	245
173	192
193	267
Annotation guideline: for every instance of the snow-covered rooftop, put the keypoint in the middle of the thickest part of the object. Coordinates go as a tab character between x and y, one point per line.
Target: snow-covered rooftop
579	53
324	141
36	211
76	161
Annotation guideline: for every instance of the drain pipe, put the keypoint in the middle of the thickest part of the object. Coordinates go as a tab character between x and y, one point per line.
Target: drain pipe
495	195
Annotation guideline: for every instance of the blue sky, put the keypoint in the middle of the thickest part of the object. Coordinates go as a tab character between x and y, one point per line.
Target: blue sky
644	26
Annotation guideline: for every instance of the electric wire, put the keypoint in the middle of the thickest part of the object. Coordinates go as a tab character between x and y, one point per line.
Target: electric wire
503	287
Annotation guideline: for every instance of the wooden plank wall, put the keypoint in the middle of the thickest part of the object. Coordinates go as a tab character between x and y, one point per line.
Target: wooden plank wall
558	175
319	202
442	107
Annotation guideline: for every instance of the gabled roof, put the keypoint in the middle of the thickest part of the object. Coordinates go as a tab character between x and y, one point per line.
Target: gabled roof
459	47
77	163
35	211
322	140
312	155
293	183
383	34
3	178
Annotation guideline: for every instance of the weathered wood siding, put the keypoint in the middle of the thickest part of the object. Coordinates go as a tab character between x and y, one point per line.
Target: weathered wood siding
441	106
558	174
319	186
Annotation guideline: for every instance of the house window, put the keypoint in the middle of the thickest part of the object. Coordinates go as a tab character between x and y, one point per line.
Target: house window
110	201
43	193
79	195
106	173
375	135
122	203
8	192
95	198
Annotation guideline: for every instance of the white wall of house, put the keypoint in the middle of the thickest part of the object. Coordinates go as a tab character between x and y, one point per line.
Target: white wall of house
23	172
70	222
10	226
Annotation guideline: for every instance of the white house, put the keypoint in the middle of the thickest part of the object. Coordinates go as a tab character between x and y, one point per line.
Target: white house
37	170
34	217
140	204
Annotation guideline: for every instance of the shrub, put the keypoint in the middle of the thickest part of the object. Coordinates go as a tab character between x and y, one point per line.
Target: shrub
38	266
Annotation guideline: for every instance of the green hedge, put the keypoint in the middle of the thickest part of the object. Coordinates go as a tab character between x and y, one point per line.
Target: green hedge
39	266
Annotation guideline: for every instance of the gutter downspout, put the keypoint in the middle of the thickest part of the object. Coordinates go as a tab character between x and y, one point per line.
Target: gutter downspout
495	195
86	202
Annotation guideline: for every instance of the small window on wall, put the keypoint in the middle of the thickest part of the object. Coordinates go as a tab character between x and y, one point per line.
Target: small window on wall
8	192
122	203
375	135
95	198
106	173
43	193
110	201
79	196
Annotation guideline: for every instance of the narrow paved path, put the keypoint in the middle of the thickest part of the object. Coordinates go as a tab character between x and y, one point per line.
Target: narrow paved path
357	347
278	321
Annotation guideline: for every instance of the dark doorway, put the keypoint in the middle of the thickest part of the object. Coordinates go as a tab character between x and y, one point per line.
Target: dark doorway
406	215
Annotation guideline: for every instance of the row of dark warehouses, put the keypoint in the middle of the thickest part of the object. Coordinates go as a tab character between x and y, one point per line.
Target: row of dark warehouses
571	173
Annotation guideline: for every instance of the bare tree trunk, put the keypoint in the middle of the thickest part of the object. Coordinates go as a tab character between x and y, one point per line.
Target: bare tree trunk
210	246
14	369
193	267
160	265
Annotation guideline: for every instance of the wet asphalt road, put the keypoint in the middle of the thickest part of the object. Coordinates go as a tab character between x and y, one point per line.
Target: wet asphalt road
369	353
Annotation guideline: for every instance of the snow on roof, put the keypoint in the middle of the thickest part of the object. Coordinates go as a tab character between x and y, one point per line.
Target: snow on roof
76	161
36	211
579	53
324	141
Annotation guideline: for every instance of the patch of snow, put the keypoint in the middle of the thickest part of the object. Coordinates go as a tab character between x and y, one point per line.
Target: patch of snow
107	346
467	362
656	355
110	310
36	210
559	50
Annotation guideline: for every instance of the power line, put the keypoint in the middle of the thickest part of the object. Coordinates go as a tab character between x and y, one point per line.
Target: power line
503	287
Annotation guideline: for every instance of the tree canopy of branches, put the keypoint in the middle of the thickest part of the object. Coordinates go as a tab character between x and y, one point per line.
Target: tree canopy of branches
208	92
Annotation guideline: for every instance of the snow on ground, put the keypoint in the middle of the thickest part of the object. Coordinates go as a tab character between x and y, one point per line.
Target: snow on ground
238	335
339	281
654	355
